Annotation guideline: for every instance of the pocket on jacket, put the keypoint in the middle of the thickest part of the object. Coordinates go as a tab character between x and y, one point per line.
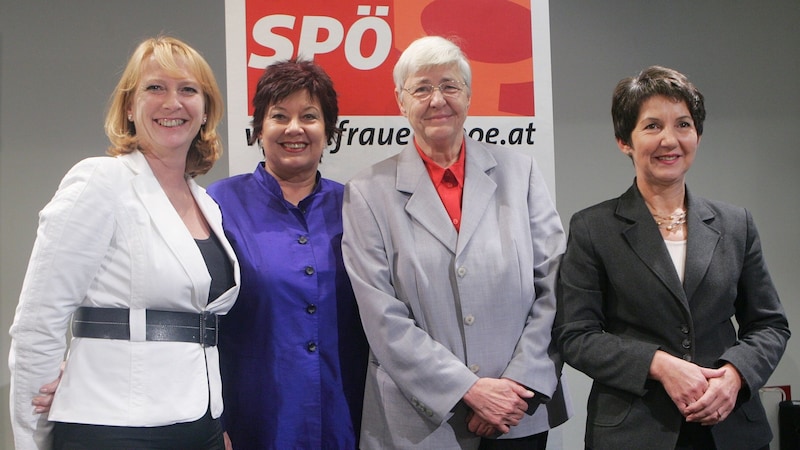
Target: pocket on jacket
753	410
608	407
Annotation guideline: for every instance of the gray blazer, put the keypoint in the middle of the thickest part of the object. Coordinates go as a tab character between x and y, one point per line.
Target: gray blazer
620	299
442	308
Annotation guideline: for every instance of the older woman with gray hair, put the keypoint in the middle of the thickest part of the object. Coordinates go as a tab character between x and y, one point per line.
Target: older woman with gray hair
452	247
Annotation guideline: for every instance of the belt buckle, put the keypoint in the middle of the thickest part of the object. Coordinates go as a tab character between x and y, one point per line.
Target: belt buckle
203	317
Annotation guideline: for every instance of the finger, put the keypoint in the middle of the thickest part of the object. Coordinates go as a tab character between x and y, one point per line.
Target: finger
709	416
518	414
50	387
42	400
473	426
712	419
523	392
712	373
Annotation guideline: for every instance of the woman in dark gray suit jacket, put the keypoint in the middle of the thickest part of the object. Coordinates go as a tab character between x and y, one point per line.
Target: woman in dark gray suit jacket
650	283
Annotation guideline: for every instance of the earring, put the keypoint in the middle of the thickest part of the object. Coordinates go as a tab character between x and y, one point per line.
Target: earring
204	119
130	117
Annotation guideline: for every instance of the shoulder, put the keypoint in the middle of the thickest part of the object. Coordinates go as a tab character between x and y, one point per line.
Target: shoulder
103	164
601	214
332	191
500	154
734	221
229	186
503	164
331	185
601	208
716	211
380	171
718	207
99	171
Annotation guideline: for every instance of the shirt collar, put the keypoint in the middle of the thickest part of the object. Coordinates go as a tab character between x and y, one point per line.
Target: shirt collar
272	185
436	171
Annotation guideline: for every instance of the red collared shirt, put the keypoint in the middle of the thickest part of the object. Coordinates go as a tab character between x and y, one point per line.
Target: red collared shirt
449	182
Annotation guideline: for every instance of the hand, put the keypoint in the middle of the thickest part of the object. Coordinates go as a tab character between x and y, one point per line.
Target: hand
684	382
719	399
479	426
499	402
228	443
41	403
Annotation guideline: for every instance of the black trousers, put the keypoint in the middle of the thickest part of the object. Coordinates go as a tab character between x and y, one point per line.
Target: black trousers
533	442
202	434
697	437
694	436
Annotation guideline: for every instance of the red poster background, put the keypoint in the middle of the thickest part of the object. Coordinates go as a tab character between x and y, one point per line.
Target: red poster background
494	34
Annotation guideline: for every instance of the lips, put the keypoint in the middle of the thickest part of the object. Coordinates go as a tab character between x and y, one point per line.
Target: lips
170	122
667	158
294	146
438	117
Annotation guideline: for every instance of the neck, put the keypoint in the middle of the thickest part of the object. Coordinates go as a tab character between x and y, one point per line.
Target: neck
663	200
295	188
667	205
443	154
168	170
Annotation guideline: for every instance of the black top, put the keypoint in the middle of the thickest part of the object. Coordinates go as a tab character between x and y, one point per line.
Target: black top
218	264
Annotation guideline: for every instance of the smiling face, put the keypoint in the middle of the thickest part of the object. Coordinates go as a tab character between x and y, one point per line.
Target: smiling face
438	122
293	136
167	109
663	142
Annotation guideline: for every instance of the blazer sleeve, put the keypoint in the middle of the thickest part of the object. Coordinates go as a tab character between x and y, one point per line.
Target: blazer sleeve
75	229
616	361
428	374
535	362
763	327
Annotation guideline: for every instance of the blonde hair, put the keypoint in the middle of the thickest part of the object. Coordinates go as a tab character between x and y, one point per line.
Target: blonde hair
169	52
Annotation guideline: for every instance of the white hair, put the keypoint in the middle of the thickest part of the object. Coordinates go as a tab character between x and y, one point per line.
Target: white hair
428	52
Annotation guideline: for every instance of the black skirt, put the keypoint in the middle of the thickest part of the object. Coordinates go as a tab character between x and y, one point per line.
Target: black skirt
202	434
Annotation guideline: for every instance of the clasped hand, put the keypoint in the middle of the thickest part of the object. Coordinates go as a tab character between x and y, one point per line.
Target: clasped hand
702	395
496	405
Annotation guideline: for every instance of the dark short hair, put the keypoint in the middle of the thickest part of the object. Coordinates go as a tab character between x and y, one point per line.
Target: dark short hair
284	78
632	92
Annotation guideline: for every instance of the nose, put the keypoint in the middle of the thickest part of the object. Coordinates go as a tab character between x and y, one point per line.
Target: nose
437	98
669	137
172	100
294	126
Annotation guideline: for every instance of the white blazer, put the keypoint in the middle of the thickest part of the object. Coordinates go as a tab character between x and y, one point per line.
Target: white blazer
441	309
111	238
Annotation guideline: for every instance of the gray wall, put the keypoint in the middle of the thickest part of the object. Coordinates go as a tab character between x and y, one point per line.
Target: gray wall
59	62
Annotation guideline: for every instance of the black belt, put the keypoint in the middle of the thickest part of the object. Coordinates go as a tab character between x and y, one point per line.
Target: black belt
112	323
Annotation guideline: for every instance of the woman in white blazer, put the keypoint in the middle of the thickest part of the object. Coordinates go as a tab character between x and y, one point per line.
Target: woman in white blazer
452	248
134	249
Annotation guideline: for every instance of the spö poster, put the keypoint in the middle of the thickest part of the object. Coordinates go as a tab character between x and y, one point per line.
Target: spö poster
358	42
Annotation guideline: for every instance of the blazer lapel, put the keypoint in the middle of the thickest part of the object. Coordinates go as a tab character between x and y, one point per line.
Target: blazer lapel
424	205
645	240
169	225
479	190
702	241
214	218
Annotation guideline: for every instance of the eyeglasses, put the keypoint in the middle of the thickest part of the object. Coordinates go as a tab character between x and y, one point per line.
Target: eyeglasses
424	91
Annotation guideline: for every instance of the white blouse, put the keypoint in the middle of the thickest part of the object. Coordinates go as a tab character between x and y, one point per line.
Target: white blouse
677	251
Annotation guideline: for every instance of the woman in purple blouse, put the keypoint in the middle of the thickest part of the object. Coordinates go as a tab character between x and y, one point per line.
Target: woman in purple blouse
293	350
